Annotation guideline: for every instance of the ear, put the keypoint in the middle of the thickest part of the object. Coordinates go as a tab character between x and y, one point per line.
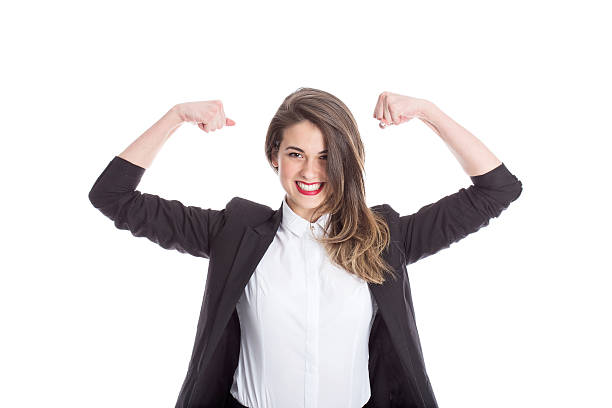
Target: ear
275	159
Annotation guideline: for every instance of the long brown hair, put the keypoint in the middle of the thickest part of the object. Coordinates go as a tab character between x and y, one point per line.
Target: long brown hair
355	235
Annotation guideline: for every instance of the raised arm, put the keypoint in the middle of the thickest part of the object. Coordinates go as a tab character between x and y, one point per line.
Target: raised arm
168	223
436	226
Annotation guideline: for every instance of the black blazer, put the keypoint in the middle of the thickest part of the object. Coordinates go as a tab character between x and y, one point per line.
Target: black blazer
235	238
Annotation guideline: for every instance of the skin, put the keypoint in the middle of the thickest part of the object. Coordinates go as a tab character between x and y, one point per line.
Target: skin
470	152
208	115
309	166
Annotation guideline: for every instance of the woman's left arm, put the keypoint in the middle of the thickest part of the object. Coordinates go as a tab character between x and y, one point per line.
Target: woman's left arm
437	225
472	154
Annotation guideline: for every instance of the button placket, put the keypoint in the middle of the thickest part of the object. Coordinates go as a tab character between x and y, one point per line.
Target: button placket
316	270
312	337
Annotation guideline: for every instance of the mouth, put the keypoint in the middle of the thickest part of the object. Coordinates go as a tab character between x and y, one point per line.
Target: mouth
309	189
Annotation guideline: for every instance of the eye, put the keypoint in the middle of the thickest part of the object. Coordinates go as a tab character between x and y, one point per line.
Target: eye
323	157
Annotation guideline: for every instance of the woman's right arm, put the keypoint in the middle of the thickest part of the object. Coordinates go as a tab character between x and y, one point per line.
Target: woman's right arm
143	150
168	223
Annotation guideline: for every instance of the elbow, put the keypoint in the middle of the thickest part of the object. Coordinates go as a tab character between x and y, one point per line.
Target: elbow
511	193
517	190
99	198
94	197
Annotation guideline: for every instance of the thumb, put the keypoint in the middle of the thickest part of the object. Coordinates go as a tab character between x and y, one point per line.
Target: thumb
404	119
229	122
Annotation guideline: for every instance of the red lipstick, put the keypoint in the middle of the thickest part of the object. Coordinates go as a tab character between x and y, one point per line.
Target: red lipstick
315	192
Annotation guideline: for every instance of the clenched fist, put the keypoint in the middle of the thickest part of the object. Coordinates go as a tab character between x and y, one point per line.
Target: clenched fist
208	115
394	109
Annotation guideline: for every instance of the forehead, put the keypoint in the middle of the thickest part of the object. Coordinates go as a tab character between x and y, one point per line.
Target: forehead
305	135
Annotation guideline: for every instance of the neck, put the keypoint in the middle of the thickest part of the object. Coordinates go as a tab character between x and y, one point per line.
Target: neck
305	213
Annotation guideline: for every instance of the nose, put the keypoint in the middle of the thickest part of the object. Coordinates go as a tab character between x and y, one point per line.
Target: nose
312	170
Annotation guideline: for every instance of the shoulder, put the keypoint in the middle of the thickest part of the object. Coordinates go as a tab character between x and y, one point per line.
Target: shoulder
248	205
386	210
247	211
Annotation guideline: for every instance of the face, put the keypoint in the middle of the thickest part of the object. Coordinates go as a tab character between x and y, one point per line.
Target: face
302	157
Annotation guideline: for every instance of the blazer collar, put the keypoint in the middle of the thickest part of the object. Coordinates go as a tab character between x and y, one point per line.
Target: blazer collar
270	226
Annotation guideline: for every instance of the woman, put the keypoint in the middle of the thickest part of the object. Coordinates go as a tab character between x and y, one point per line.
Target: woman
298	309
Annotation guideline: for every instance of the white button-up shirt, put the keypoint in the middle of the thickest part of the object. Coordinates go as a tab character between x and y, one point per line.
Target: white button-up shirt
305	325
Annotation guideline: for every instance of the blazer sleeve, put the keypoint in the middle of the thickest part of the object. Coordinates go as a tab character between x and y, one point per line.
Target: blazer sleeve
436	226
168	223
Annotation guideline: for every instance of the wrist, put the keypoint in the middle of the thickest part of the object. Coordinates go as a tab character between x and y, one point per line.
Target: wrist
427	110
175	116
172	120
430	115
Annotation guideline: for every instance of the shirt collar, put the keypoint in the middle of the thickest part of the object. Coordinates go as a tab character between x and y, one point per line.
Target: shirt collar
298	225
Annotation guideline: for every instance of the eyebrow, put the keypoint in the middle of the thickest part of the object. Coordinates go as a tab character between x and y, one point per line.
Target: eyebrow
300	150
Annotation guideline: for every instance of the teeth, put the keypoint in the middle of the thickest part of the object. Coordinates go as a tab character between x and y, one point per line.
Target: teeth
311	187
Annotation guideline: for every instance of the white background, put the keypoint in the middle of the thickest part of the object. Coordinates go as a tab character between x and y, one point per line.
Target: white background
517	314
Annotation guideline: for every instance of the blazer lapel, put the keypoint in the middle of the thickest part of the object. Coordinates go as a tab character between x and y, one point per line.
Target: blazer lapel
395	306
253	246
390	299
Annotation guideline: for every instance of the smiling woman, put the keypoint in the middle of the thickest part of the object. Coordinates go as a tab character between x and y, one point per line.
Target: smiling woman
312	188
313	138
309	180
296	295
